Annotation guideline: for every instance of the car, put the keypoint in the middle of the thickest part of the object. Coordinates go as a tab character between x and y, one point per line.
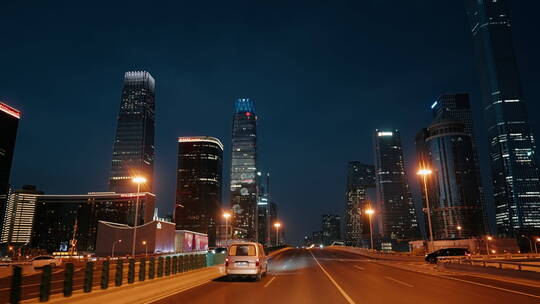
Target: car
220	250
44	260
246	259
433	256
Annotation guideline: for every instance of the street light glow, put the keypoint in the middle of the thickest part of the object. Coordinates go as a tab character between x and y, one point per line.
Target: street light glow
139	180
370	211
226	215
489	238
277	225
144	242
458	227
424	171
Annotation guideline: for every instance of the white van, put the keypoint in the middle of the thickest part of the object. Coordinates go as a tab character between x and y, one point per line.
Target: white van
246	259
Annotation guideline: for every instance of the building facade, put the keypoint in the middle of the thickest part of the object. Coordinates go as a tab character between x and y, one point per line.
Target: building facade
198	185
9	122
458	107
263	208
59	219
244	190
360	177
397	214
456	208
513	160
133	151
331	228
19	217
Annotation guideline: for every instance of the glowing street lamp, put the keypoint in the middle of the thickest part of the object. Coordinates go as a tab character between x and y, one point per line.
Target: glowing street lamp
113	245
145	249
226	215
138	180
488	239
277	225
370	212
459	231
536	241
424	173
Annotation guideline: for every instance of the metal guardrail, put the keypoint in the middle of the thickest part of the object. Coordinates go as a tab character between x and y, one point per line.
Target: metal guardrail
487	263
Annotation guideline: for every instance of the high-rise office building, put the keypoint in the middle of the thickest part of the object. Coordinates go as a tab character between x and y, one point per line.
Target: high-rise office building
360	177
458	107
263	209
198	185
515	175
456	205
397	211
9	122
133	152
19	217
331	228
244	168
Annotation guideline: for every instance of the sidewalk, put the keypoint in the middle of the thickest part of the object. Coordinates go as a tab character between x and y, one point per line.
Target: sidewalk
146	292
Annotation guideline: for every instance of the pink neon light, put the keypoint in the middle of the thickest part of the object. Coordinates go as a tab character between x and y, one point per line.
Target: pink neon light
9	110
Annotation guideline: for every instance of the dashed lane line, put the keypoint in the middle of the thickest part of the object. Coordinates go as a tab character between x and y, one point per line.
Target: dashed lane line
398	281
343	293
359	267
268	283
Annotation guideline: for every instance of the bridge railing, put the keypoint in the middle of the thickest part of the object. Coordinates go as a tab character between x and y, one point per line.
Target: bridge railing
520	266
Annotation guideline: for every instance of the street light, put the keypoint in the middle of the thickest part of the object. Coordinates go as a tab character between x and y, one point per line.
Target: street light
10	249
226	215
536	241
277	225
138	180
145	249
370	212
459	231
530	242
488	239
424	173
113	245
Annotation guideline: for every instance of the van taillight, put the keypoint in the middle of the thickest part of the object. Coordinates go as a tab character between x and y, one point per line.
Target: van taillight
226	262
257	263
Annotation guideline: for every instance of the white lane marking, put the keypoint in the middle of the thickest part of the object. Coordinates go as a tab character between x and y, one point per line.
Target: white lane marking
272	279
176	292
343	293
398	281
361	268
491	286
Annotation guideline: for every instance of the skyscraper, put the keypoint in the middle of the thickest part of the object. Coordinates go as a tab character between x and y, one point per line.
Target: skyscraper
9	122
331	228
515	175
360	177
19	217
458	107
456	208
263	209
396	205
198	185
133	152
244	168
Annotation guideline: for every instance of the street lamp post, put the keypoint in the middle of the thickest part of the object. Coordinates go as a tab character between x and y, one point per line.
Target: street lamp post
277	225
488	239
370	212
536	248
424	173
138	180
459	231
530	242
226	215
113	245
145	249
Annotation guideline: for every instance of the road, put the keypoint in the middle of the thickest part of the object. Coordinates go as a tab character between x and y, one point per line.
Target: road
333	276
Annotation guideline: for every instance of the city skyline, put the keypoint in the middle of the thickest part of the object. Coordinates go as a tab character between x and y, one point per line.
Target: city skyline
56	181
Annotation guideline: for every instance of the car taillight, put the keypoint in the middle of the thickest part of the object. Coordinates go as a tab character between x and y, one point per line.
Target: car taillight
257	263
226	262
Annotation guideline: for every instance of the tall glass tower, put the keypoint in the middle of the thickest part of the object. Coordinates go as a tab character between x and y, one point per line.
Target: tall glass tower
198	185
515	176
399	224
360	177
244	168
9	122
133	152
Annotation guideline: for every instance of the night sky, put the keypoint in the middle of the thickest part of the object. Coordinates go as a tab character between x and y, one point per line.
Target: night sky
323	74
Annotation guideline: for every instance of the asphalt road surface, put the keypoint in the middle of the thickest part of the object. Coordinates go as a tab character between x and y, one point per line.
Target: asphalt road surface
333	276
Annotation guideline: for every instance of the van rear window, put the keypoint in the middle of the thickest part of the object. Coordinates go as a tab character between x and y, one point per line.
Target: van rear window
242	250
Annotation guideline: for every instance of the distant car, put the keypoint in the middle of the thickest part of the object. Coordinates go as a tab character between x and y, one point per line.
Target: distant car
246	259
220	250
432	257
44	260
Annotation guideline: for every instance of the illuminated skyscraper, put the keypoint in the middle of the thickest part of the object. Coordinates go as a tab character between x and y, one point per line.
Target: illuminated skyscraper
198	185
360	177
515	175
244	168
9	122
19	217
396	205
133	152
331	228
